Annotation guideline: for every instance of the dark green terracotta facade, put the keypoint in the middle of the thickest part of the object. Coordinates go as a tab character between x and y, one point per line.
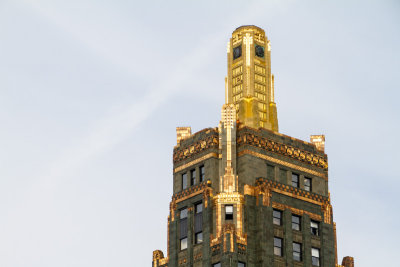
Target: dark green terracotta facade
254	172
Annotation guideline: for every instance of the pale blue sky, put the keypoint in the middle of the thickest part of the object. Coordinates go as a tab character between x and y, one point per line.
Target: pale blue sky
91	93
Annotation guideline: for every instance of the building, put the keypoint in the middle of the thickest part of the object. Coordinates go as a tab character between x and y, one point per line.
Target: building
243	193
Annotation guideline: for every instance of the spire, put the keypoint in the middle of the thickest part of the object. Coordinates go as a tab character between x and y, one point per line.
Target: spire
249	84
228	182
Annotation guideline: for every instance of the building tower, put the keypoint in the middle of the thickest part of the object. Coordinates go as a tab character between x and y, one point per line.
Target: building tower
243	193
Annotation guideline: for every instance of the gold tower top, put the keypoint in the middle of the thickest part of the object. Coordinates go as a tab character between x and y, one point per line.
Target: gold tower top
249	83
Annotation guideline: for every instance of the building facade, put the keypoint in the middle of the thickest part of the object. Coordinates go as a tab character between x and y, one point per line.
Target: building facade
243	193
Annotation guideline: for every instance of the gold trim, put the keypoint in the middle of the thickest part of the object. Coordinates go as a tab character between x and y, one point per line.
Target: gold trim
193	162
191	195
265	188
258	141
281	162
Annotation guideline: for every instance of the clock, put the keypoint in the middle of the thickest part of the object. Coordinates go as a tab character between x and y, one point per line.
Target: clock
237	52
259	51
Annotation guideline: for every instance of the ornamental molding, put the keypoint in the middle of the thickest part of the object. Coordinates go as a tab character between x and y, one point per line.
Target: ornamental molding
283	163
191	191
202	188
184	152
265	187
247	138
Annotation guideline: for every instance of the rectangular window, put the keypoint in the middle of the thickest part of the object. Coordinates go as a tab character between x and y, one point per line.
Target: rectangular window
277	217
228	212
198	223
262	107
260	96
198	238
202	173
193	177
307	184
184	181
278	249
184	243
315	256
295	180
296	225
259	69
237	89
241	264
183	228
183	214
315	228
218	264
296	251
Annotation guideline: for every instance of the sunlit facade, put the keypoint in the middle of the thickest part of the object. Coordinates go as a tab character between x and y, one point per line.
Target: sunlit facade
243	193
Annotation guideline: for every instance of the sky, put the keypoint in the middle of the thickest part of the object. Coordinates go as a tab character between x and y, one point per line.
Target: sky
91	93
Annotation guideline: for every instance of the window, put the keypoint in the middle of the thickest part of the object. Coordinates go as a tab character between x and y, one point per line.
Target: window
296	223
193	177
218	264
198	223
277	217
183	214
198	208
183	228
314	228
295	180
202	173
228	212
307	184
315	256
278	246
184	243
241	264
296	251
184	181
198	238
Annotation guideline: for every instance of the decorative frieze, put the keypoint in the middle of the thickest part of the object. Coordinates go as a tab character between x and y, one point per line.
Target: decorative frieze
265	187
246	138
183	152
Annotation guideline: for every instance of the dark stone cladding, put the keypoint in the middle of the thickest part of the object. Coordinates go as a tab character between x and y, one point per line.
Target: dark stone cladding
283	145
293	190
195	145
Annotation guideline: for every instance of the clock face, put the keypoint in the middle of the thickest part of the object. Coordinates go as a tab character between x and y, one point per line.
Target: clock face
259	51
237	52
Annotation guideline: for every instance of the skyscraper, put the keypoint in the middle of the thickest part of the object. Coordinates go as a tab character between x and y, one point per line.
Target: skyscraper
243	193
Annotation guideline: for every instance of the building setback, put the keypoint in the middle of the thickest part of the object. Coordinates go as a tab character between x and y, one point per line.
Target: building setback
243	193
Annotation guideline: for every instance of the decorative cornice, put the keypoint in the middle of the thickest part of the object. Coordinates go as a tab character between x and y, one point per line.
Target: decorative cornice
246	138
191	192
281	162
265	187
209	141
293	192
